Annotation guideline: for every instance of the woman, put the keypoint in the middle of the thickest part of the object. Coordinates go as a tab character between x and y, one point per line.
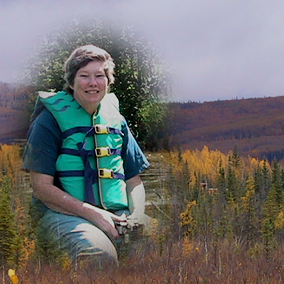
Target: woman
83	177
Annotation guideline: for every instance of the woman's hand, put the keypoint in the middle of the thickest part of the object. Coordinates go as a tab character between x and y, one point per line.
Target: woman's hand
104	220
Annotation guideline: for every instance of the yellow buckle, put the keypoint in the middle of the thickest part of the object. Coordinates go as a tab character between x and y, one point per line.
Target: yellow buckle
105	173
101	129
102	151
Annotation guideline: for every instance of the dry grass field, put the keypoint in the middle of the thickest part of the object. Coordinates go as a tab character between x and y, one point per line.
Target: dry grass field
167	262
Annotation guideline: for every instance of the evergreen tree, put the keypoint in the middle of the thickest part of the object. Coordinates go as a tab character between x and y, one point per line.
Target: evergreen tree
232	181
236	161
268	223
221	177
257	177
185	182
179	153
282	178
8	231
236	164
277	184
195	191
265	180
249	221
219	215
272	209
221	185
257	187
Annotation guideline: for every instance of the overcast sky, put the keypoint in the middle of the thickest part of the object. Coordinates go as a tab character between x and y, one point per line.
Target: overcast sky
221	49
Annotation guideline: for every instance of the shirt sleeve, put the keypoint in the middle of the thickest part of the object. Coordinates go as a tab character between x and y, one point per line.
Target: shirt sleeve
43	144
135	162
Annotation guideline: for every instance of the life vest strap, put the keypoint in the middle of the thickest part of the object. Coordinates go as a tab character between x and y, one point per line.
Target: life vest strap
70	173
104	129
102	173
91	130
90	178
106	151
110	174
99	152
75	152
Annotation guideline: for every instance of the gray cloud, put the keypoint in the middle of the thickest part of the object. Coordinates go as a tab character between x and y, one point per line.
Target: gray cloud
215	49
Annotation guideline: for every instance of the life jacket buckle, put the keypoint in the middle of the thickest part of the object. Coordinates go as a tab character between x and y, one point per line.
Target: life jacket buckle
105	173
102	152
101	129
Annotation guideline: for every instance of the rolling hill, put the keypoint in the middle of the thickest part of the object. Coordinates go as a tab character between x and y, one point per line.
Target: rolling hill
255	126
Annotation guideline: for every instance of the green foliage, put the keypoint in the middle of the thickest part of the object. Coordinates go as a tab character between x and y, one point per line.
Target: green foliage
141	82
188	221
232	181
248	212
277	184
236	161
155	121
272	209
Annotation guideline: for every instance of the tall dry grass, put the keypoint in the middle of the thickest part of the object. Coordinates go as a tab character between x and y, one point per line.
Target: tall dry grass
169	262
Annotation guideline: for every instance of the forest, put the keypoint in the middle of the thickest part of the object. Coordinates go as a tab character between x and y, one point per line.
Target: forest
220	219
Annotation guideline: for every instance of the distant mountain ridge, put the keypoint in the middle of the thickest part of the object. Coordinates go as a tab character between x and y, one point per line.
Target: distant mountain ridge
255	126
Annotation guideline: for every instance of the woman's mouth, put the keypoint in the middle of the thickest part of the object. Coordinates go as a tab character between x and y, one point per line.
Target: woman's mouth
92	92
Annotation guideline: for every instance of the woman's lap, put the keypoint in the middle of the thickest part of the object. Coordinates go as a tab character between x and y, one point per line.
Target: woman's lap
75	235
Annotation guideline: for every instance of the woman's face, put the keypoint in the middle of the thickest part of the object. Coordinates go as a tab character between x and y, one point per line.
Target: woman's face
90	85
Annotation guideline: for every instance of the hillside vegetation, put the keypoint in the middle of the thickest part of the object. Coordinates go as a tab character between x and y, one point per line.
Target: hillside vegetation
255	126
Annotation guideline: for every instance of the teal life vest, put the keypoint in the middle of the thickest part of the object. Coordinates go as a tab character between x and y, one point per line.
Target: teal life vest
89	165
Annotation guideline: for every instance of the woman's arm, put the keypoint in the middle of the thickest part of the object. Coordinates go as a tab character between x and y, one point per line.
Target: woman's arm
62	202
136	196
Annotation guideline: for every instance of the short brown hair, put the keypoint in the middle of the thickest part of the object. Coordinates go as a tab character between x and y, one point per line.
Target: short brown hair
82	56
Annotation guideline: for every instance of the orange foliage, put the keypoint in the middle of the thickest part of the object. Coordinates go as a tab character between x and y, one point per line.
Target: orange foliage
10	161
206	163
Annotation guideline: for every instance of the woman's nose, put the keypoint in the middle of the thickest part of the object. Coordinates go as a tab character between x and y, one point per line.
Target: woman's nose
93	81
